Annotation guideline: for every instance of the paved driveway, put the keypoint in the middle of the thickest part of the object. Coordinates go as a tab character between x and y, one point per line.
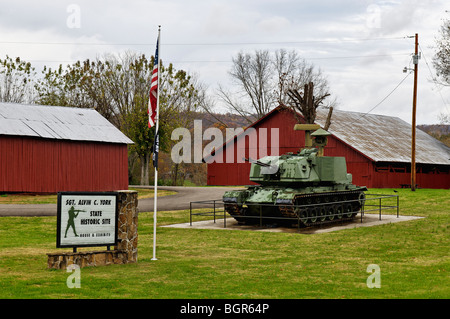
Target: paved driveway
179	201
28	210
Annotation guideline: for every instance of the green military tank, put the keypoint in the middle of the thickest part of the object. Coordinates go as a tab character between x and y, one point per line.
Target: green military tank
302	189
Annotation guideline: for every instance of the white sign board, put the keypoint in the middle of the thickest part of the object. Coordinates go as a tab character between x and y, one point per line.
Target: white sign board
86	219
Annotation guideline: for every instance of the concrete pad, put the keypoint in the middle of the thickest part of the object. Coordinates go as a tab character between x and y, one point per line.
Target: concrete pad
368	220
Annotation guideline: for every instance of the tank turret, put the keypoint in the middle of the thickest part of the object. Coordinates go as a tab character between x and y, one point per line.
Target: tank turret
307	186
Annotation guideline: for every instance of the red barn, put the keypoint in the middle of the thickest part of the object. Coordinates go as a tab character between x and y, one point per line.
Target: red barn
47	149
377	149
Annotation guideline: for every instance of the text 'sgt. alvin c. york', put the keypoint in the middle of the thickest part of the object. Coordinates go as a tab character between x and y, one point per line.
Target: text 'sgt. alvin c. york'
86	219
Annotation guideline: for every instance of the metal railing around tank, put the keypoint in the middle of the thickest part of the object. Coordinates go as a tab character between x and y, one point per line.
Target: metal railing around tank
215	213
393	203
371	203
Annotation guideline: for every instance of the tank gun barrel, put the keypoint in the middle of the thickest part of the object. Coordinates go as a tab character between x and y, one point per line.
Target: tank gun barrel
256	162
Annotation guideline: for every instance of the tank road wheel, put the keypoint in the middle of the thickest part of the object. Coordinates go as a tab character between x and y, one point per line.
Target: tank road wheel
348	210
330	212
312	214
302	213
339	209
321	214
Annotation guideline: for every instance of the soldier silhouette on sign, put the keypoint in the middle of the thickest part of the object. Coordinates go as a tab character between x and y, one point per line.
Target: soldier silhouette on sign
73	213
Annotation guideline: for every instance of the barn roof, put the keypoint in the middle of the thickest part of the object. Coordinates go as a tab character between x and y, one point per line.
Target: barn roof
380	138
56	122
384	138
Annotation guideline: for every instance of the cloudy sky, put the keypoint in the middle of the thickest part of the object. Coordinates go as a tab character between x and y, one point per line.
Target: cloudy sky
361	46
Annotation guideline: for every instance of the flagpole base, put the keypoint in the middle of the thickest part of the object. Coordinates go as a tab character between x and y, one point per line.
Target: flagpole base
154	258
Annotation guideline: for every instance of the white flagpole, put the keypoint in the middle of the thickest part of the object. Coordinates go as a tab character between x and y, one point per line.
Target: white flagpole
156	132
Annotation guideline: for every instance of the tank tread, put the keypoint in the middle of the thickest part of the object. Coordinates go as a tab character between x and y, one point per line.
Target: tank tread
337	207
235	211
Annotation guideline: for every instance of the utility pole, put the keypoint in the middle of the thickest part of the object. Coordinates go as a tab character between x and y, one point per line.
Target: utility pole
413	135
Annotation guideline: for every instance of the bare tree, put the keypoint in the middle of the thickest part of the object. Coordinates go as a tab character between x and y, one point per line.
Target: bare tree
294	73
444	118
253	75
16	80
441	60
306	103
264	80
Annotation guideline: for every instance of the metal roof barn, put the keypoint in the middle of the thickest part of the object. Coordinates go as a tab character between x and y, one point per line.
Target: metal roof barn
377	150
47	149
384	138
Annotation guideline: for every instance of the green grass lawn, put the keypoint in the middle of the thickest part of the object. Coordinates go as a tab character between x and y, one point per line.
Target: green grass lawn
413	257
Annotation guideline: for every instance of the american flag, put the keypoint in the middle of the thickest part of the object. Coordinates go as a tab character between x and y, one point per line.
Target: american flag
153	100
156	151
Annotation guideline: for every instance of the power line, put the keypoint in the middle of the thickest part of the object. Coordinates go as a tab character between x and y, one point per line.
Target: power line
71	43
433	78
230	61
306	58
384	99
358	56
202	44
284	42
216	44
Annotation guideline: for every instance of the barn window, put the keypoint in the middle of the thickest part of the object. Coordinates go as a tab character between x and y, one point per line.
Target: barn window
392	167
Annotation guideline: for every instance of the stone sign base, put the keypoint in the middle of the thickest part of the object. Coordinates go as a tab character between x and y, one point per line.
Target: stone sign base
126	250
86	259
